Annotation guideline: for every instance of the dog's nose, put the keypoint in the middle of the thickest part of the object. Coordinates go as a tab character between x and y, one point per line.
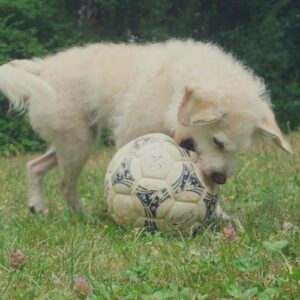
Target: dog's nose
218	177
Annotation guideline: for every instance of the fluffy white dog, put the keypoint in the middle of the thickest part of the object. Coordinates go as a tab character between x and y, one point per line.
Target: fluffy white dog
189	90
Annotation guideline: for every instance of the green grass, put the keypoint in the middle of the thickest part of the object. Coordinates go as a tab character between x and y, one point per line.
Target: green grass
263	263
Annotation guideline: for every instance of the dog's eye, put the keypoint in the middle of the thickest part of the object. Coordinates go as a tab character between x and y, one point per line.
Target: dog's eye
188	144
218	142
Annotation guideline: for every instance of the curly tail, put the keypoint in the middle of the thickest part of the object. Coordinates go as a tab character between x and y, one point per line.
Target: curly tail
21	86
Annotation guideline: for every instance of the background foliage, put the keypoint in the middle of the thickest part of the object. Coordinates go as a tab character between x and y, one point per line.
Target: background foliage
264	34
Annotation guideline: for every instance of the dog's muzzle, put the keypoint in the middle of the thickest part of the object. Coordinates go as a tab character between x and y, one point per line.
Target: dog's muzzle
218	177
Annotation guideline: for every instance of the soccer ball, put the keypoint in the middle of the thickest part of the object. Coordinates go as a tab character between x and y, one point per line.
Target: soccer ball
152	182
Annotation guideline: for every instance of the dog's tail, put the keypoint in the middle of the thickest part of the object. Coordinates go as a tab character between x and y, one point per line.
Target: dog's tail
22	85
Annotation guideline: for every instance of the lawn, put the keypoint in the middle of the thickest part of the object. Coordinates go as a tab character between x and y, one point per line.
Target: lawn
262	263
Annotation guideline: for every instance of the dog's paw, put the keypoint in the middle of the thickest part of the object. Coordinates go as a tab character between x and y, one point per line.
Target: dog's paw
238	225
34	211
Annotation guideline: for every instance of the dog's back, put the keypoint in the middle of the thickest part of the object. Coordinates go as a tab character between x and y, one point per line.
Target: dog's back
104	83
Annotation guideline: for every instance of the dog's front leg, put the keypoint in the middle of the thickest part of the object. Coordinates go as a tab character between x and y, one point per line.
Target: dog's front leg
220	214
224	217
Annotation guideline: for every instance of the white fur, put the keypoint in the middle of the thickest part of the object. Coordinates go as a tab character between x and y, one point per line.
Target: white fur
135	89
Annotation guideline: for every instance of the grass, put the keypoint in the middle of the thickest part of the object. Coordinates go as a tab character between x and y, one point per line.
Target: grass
263	263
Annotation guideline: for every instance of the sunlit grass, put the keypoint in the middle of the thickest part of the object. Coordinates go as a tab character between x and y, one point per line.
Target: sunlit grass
120	264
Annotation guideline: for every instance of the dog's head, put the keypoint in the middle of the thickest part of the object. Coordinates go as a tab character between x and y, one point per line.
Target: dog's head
219	126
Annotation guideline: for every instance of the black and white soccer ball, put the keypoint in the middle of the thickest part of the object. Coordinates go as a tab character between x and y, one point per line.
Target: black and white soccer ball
152	182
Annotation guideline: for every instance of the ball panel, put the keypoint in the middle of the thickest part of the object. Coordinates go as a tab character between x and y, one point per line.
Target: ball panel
153	224
141	142
152	198
124	210
126	173
116	219
183	215
184	180
119	156
202	210
210	201
172	149
156	163
146	148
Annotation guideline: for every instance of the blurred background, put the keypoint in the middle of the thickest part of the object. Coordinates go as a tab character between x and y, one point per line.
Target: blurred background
265	35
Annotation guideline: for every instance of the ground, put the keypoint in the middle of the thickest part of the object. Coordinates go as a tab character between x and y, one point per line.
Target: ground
263	262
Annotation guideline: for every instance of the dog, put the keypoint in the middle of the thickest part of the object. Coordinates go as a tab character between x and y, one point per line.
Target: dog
194	92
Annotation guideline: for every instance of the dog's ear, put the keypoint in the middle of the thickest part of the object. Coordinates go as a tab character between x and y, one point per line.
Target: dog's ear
269	128
197	108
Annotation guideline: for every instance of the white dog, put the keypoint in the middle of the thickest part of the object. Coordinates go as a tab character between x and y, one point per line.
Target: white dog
188	90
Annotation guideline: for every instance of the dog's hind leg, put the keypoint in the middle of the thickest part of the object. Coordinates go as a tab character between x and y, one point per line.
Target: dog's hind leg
71	165
72	153
36	170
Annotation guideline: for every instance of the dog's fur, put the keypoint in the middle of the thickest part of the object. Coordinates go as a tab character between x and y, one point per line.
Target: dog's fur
185	89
